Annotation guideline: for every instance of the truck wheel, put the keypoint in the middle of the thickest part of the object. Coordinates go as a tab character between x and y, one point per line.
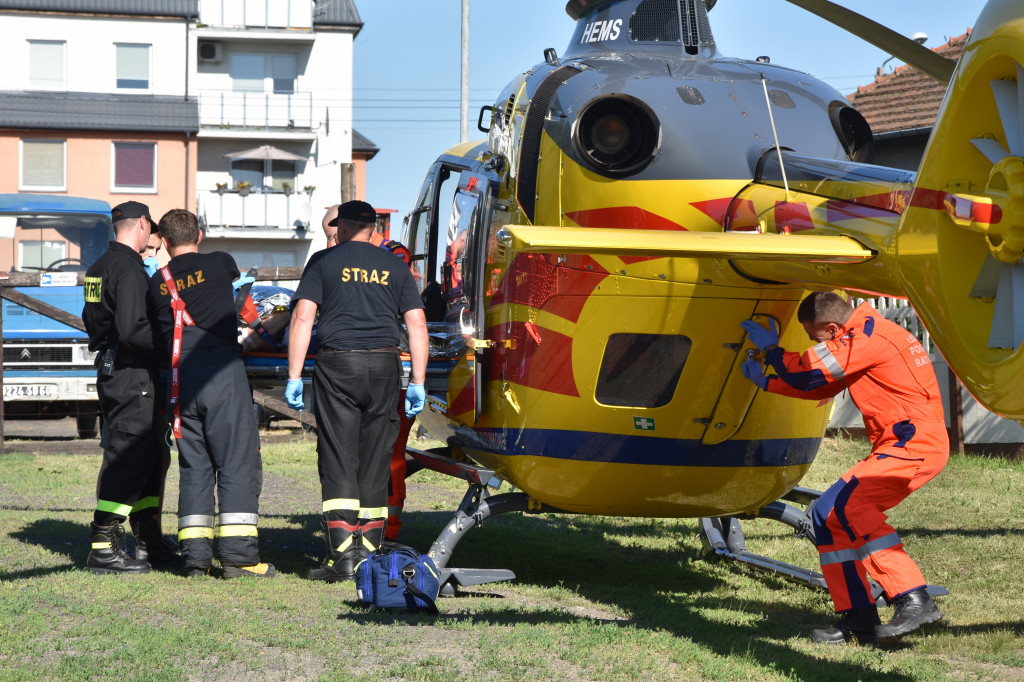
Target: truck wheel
88	425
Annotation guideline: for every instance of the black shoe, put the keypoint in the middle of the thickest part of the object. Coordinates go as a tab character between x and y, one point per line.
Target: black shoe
197	571
261	570
108	554
337	567
859	623
153	546
913	610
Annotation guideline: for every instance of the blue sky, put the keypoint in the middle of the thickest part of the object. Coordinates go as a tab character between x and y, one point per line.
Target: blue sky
407	63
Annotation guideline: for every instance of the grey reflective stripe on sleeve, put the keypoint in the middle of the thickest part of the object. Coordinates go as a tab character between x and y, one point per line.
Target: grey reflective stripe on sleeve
833	366
196	520
394	510
238	519
838	556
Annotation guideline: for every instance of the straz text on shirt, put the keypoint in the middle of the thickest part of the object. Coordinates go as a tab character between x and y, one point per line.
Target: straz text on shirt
189	280
364	276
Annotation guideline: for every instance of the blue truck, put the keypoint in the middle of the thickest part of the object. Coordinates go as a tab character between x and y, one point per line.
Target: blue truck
48	370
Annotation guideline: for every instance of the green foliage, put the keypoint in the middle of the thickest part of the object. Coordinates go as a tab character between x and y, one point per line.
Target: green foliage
596	598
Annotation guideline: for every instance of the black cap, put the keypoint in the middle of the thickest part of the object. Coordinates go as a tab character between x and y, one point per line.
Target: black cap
131	209
356	211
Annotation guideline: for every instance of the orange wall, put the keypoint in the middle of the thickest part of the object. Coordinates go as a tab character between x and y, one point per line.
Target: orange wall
359	161
89	170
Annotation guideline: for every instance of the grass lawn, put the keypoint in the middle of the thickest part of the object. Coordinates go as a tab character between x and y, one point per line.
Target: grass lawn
596	598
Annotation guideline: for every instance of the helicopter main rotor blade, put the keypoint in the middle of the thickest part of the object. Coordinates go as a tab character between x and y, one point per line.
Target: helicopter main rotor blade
901	47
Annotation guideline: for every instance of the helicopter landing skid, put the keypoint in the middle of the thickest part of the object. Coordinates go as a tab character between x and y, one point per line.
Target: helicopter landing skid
722	537
478	504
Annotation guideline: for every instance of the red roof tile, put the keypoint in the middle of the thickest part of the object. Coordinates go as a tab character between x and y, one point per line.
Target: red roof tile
905	98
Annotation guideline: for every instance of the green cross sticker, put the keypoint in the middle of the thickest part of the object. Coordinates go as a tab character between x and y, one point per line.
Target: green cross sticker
643	424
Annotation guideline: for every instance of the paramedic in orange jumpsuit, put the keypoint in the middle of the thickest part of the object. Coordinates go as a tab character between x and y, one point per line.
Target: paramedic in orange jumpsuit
396	484
891	380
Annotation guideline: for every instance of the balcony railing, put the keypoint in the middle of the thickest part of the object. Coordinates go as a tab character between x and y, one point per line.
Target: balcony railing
270	210
256	109
288	14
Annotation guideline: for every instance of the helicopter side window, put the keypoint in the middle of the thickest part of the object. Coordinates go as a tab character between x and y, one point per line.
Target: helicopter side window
641	370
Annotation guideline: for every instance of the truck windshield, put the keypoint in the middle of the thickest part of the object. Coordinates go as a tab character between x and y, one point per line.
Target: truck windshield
57	242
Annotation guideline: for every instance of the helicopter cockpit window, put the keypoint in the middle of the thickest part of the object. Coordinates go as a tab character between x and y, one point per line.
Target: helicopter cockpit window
641	370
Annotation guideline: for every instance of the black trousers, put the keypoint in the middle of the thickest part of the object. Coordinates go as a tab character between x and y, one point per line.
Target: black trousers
218	450
132	468
355	404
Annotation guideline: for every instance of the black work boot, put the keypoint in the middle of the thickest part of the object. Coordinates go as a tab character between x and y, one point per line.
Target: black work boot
913	610
108	554
371	538
152	546
859	623
342	557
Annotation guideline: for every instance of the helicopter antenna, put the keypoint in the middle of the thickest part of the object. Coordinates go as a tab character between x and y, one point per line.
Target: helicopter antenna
775	134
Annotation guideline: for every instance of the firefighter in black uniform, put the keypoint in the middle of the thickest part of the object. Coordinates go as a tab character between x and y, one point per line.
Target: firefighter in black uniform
361	292
210	406
119	329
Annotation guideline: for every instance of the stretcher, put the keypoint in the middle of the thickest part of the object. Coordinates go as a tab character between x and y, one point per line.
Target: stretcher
265	355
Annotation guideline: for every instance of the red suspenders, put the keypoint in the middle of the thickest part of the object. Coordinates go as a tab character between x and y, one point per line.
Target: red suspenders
181	320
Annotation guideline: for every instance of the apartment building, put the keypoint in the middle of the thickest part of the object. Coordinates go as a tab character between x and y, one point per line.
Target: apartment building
240	110
95	102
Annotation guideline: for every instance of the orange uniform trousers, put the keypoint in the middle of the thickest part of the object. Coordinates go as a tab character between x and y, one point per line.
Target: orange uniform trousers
854	541
396	484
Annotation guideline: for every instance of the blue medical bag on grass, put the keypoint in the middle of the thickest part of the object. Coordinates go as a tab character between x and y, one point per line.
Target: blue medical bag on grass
399	579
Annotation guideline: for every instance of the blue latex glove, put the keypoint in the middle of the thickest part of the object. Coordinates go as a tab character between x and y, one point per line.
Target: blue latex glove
242	281
415	399
293	394
759	336
152	265
752	370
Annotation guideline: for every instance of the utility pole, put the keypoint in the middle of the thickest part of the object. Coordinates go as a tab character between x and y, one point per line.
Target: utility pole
464	137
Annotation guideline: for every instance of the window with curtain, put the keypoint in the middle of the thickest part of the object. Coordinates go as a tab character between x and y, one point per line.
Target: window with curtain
284	74
46	64
247	170
134	166
132	66
280	173
247	72
42	165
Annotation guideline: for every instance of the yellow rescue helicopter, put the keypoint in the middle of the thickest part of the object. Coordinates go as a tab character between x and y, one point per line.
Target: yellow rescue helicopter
636	198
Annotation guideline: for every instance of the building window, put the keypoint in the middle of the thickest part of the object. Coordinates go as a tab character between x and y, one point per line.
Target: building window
247	72
248	170
39	255
134	167
46	64
132	67
42	165
280	173
284	74
641	370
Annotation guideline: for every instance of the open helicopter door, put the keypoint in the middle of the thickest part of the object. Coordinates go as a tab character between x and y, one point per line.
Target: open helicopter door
462	282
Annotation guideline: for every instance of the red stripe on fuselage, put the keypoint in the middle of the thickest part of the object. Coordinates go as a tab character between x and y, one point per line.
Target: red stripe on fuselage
792	216
624	217
534	280
546	366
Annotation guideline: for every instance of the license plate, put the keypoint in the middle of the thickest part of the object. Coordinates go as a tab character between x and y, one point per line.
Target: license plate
29	390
